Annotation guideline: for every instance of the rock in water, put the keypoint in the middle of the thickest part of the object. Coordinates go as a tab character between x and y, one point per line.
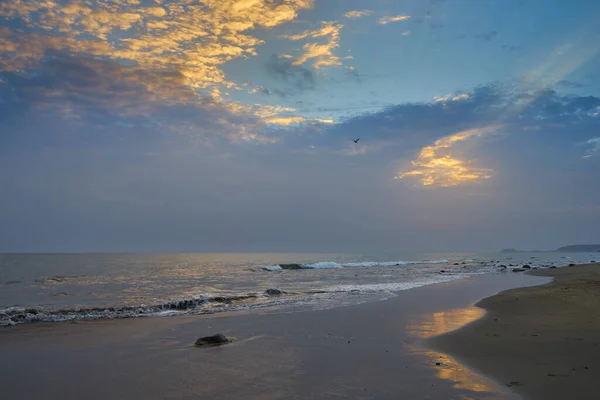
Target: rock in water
526	266
290	266
274	292
214	340
518	270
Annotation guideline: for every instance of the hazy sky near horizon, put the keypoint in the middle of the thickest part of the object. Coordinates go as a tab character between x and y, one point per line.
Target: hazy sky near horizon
228	125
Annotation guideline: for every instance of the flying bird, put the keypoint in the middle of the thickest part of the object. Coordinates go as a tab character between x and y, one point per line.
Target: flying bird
356	140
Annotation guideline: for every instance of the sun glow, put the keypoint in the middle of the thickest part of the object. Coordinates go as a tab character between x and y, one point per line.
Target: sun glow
437	166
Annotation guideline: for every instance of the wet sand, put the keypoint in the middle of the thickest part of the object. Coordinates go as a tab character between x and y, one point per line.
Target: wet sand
367	351
542	341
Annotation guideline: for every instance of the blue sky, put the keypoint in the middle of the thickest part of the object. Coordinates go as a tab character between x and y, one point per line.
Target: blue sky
224	125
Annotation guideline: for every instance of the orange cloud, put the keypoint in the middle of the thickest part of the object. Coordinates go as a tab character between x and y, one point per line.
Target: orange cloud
387	20
287	121
357	14
191	39
436	166
194	38
284	120
322	53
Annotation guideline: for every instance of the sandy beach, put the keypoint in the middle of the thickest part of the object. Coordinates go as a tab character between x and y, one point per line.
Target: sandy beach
543	341
368	351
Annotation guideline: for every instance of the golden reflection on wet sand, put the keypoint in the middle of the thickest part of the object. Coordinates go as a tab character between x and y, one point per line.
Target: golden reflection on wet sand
429	325
446	367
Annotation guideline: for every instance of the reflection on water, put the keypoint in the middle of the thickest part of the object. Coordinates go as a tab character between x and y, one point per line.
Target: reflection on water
442	322
446	367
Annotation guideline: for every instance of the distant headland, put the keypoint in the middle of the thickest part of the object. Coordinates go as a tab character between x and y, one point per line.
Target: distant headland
580	248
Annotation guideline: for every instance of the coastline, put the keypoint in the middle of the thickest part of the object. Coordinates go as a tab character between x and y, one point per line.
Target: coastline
543	341
367	351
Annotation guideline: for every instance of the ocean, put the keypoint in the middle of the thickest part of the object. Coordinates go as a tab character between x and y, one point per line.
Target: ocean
65	287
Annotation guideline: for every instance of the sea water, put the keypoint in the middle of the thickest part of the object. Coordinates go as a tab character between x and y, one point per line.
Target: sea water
60	287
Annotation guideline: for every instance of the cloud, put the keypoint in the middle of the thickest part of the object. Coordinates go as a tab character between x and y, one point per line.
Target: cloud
102	165
285	70
320	52
191	38
486	37
169	54
571	84
436	165
275	91
296	120
452	97
284	120
387	20
594	147
447	139
357	14
100	93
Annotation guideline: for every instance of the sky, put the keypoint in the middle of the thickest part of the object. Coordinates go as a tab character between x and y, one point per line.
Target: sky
230	125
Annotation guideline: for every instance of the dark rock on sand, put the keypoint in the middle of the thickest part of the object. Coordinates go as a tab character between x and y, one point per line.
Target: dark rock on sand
214	340
552	267
571	265
455	264
274	292
518	270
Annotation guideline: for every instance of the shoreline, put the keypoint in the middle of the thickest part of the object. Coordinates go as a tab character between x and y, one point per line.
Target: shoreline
543	341
366	351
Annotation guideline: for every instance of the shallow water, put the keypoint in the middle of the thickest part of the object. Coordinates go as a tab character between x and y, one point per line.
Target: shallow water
46	287
368	351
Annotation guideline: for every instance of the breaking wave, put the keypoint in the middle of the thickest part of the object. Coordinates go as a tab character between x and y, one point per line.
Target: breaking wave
197	305
334	265
394	286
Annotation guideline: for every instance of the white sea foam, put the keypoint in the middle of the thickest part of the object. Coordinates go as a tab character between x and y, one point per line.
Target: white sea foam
394	286
392	263
335	265
322	265
271	268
